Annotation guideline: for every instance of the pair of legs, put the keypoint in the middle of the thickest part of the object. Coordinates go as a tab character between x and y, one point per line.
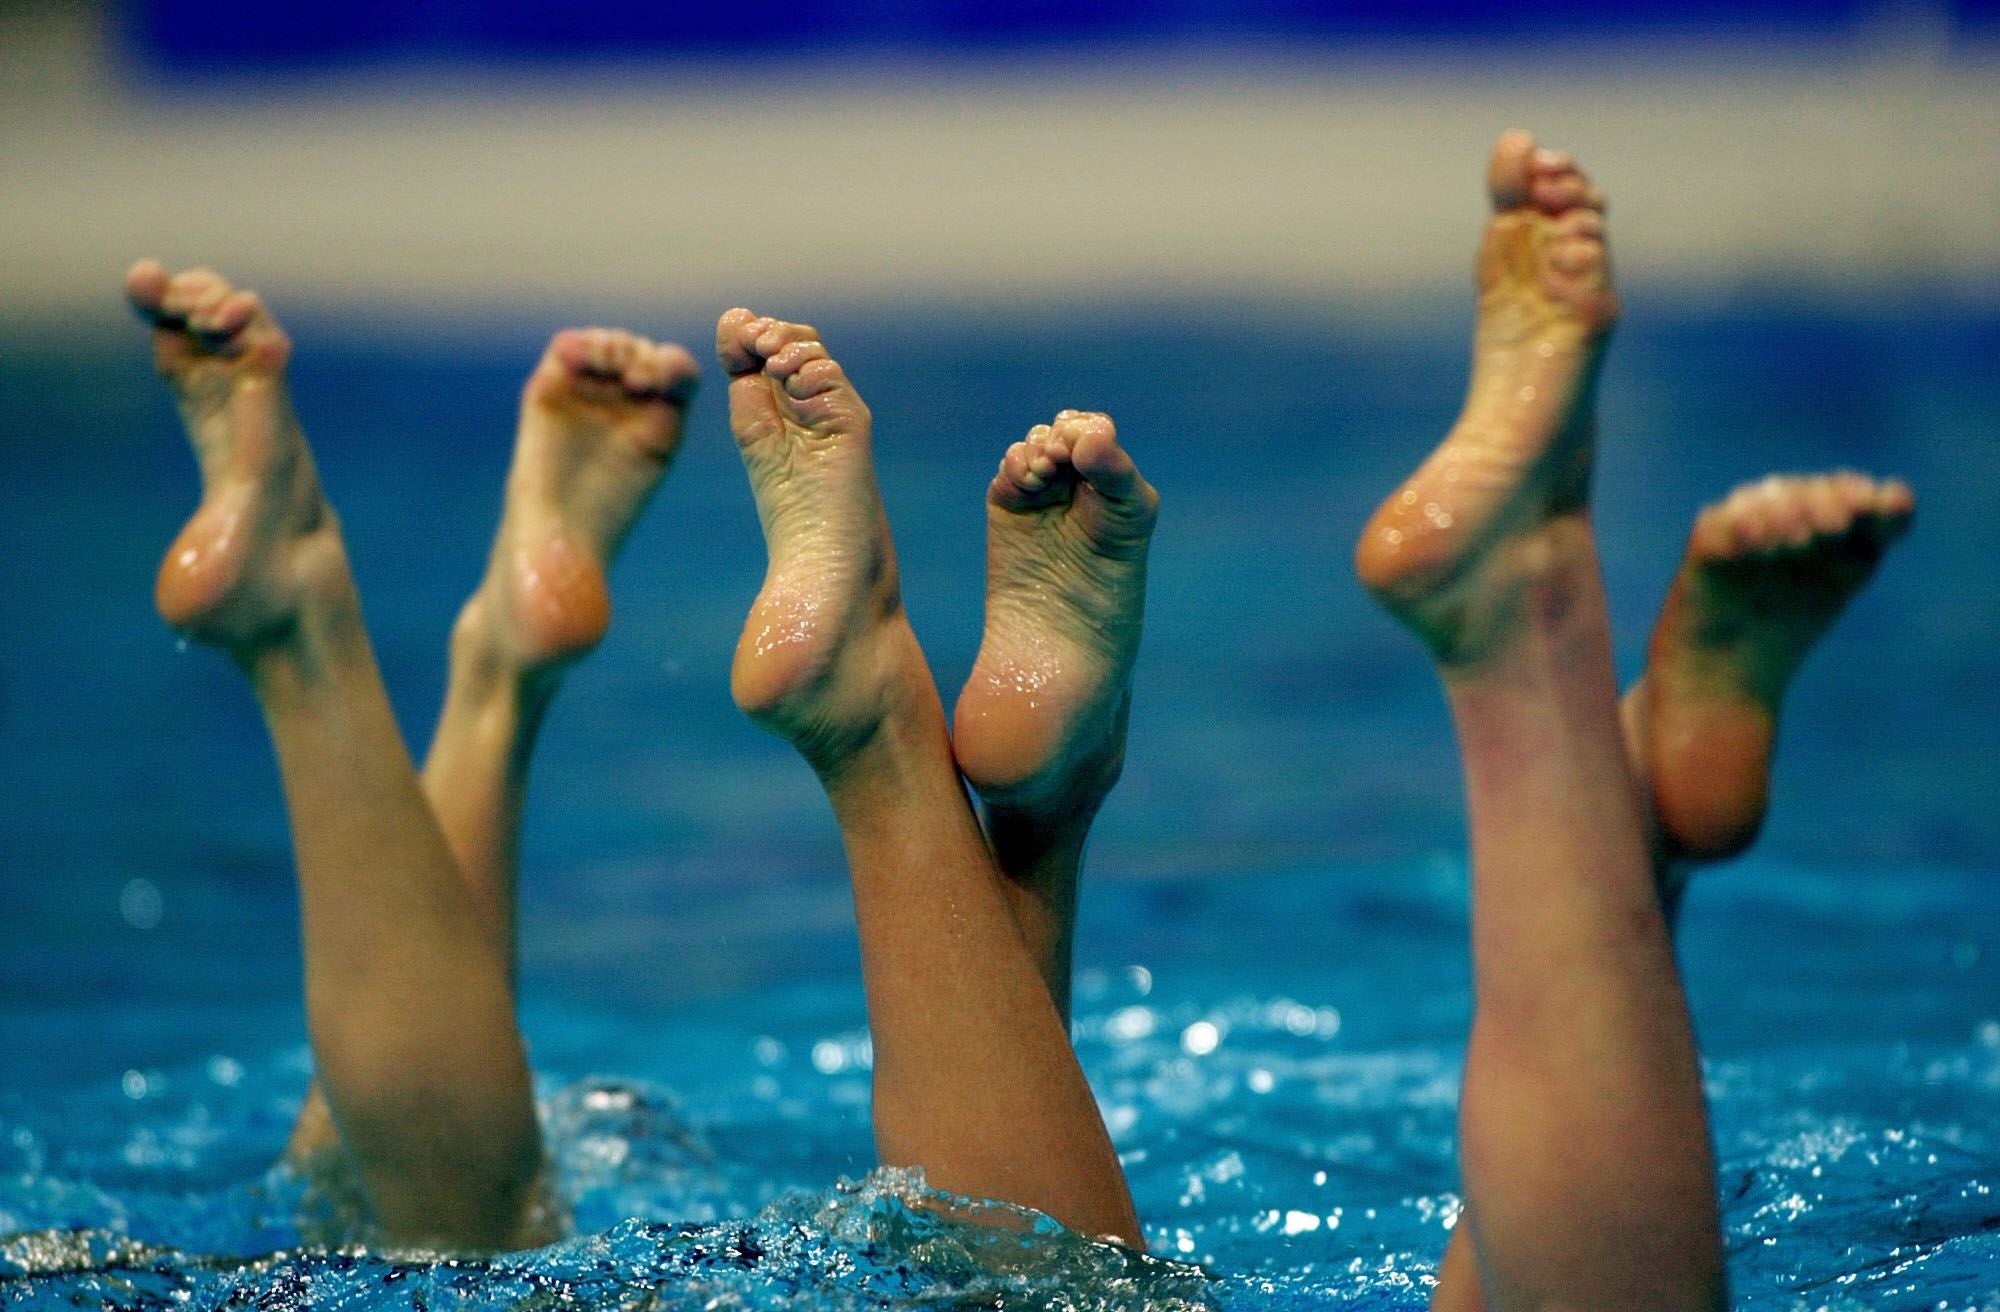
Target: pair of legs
407	879
1587	1159
1587	1168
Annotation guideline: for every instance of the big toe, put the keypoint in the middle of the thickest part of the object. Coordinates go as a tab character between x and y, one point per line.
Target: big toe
1508	172
1100	461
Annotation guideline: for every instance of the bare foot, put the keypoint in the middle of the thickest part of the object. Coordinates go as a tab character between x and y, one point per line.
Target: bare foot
600	420
1768	570
263	539
1451	552
1040	726
826	647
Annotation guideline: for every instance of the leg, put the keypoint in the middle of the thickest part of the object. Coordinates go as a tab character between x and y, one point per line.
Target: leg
1767	571
1039	730
601	418
412	1021
1588	1171
974	1077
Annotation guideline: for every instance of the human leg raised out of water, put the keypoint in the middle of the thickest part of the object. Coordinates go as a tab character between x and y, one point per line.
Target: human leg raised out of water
1039	730
1588	1173
1768	570
407	998
975	1080
600	420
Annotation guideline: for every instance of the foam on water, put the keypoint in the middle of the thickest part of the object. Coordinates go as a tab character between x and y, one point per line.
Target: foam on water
1288	1147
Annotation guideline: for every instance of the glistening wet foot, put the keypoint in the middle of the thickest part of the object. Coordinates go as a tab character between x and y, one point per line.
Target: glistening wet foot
1040	726
826	650
263	544
601	418
1452	552
1768	570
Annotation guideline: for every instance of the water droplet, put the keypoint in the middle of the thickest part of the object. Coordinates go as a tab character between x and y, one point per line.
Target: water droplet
140	904
1128	1024
1200	1038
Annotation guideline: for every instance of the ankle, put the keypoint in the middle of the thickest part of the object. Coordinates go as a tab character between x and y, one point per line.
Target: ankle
321	638
485	668
1535	592
890	726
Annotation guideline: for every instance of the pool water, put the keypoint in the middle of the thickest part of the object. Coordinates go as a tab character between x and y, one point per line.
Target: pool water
1273	989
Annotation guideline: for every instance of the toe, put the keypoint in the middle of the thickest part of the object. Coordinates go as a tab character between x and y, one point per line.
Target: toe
1827	506
1783	519
1748	509
1111	472
644	373
1507	172
817	376
1017	470
734	334
1714	535
1857	491
570	348
1558	192
146	286
1888	514
232	314
1895	499
777	334
1045	459
610	351
789	354
667	370
194	294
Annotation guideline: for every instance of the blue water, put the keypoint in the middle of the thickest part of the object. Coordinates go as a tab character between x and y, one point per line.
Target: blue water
1279	872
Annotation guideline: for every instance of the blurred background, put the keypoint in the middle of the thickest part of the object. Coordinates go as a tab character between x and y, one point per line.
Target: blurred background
1245	229
502	155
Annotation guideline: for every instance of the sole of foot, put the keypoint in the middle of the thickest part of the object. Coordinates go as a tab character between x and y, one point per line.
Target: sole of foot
1767	572
263	539
1040	726
1451	552
601	419
826	647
